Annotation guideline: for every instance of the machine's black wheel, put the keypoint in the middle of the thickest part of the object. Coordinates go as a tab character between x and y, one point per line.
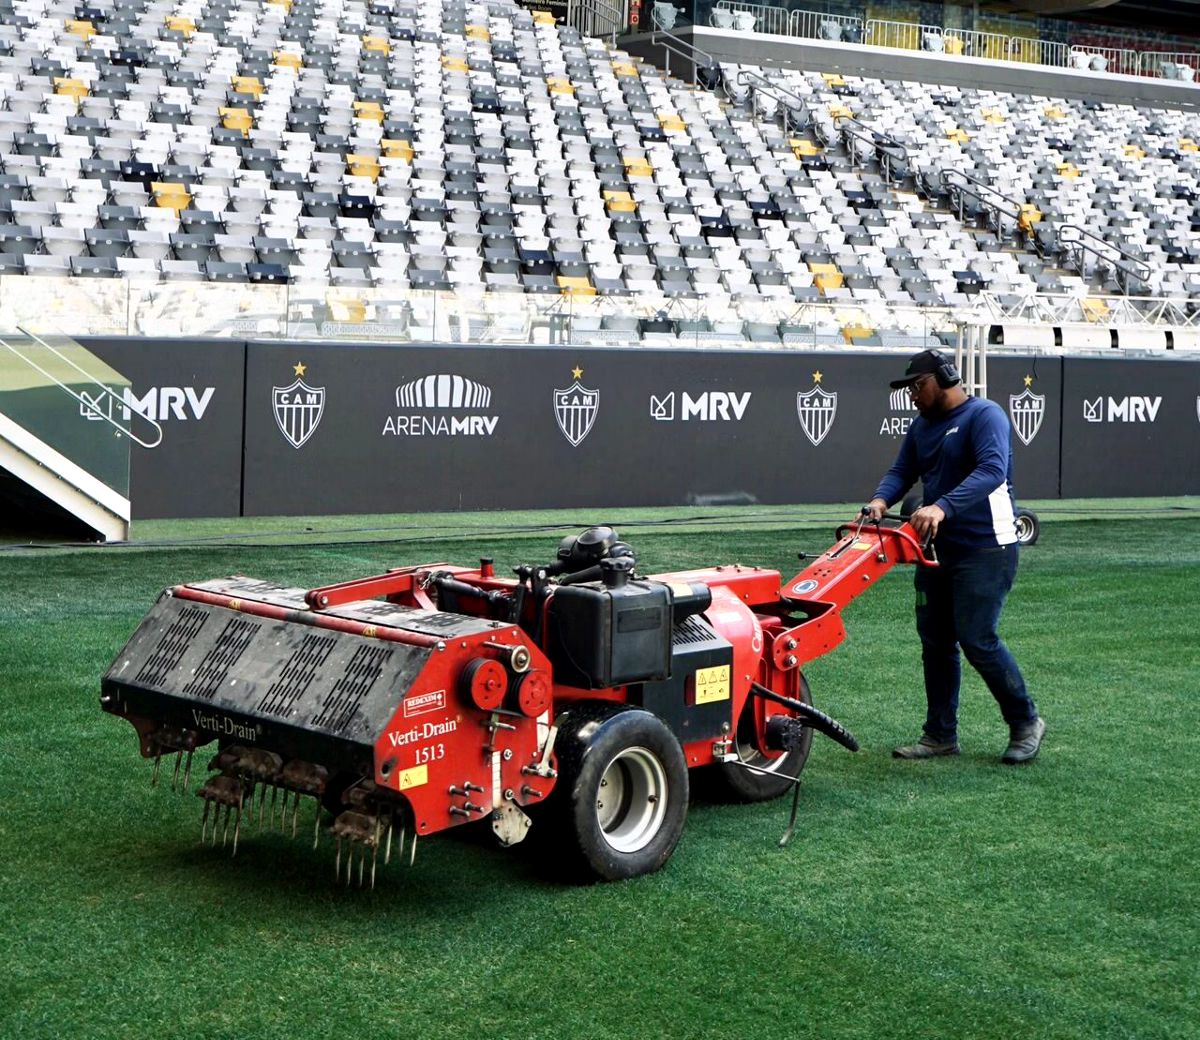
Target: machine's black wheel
749	785
1028	527
622	791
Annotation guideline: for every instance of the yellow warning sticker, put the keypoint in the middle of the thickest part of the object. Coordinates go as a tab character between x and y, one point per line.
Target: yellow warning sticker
681	588
712	684
863	545
417	776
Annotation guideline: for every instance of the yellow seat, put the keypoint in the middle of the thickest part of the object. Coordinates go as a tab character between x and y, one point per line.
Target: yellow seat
958	135
852	332
575	286
624	68
346	308
169	195
833	79
542	17
672	122
803	149
82	28
248	85
638	168
1066	169
1132	151
619	201
478	32
370	110
558	85
179	23
993	115
66	87
952	45
377	44
1186	144
359	165
1054	112
285	4
288	60
840	111
455	64
236	119
1095	310
1029	215
825	282
397	149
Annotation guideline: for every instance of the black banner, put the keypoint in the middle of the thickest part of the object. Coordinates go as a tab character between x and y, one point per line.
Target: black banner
194	390
1130	427
332	428
290	428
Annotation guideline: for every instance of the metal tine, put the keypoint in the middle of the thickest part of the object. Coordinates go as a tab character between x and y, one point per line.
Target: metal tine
225	829
375	851
175	775
295	813
154	775
274	796
388	855
349	861
187	772
317	826
337	863
204	820
237	829
412	854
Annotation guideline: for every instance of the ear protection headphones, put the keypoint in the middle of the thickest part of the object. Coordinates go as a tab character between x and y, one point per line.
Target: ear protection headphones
945	373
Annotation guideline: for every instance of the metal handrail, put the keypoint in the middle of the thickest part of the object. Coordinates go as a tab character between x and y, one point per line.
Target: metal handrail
772	90
84	401
591	10
672	44
1076	247
990	203
879	140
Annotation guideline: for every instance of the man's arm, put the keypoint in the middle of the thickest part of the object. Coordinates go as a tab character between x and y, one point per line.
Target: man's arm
897	480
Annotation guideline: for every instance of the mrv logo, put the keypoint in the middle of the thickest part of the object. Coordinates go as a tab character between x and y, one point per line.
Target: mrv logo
1121	409
710	406
442	406
157	403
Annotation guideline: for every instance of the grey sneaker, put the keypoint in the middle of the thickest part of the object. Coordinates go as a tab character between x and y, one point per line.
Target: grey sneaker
926	747
1023	742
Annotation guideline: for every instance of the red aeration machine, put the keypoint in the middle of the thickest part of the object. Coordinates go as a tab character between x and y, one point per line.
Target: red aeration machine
571	699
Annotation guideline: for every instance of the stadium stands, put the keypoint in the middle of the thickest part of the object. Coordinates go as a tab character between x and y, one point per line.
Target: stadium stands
385	148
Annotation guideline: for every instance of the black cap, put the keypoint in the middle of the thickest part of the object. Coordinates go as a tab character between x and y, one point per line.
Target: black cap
925	363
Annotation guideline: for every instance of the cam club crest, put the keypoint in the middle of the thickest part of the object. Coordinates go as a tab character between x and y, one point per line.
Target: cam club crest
575	409
816	409
1027	410
298	408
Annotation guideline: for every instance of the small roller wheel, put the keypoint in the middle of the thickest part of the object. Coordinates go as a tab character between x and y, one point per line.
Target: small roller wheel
1028	527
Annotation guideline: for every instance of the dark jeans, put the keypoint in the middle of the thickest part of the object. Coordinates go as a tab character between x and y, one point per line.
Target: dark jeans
958	605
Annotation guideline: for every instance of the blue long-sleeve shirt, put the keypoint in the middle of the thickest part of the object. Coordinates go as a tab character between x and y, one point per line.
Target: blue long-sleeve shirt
964	461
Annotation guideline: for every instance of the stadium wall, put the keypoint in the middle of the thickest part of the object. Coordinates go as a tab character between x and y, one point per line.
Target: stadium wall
269	428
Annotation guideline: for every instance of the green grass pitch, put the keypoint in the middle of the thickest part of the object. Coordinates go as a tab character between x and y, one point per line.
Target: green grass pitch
955	898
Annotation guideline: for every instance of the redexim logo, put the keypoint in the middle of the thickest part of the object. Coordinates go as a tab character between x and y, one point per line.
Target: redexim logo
441	406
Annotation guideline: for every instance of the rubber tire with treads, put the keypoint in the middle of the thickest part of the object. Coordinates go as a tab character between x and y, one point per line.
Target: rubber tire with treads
745	786
607	748
1028	526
